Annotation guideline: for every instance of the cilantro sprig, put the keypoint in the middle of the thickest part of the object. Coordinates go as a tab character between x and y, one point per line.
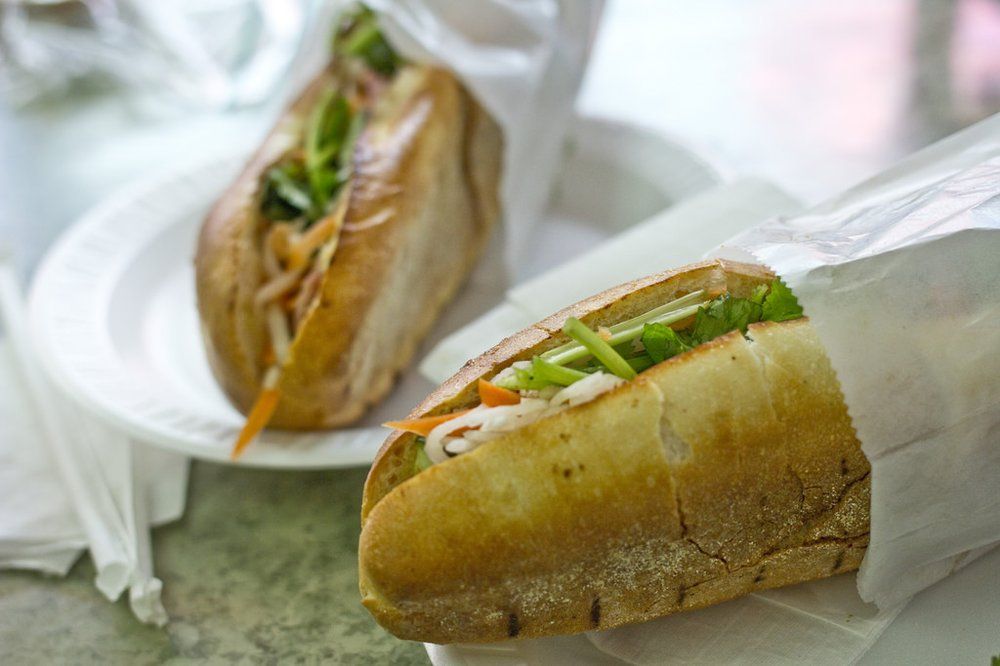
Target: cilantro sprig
780	303
662	342
359	37
303	184
286	192
723	315
659	342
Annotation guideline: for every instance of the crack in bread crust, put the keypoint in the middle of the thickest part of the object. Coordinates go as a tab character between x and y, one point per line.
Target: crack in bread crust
708	554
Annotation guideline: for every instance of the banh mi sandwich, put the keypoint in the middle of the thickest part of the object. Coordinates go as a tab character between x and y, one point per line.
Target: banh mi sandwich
326	262
671	443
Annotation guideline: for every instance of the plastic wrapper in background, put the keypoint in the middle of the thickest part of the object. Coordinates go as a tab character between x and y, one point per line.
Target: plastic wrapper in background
190	53
899	277
524	61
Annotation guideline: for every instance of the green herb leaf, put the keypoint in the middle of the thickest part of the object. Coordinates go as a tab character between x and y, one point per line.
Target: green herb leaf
625	349
780	303
719	316
286	193
759	294
626	332
327	129
325	185
360	37
304	188
724	314
662	342
542	374
641	362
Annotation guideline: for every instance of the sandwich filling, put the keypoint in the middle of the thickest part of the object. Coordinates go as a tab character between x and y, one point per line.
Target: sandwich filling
593	363
304	195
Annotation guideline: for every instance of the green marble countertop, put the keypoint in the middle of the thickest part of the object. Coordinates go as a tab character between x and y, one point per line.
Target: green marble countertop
262	568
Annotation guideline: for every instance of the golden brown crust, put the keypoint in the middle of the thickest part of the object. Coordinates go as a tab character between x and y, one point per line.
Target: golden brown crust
228	262
422	202
728	469
394	461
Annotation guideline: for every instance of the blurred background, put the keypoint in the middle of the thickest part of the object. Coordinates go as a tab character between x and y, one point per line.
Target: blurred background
813	95
96	95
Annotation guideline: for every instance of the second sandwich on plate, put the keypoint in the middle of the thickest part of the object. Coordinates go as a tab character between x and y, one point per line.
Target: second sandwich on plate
668	444
329	258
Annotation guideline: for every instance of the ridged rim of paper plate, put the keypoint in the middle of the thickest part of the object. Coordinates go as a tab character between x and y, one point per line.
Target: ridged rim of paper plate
74	284
70	294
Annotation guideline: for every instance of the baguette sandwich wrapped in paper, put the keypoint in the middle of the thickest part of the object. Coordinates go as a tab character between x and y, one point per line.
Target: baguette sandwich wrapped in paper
897	277
665	445
351	227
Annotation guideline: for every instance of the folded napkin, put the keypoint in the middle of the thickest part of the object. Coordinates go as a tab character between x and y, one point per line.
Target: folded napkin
69	483
38	527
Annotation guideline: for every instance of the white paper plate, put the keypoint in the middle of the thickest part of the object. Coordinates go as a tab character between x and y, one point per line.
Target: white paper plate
113	306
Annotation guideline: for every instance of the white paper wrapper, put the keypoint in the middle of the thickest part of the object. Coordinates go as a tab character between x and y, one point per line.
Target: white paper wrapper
523	60
899	276
822	622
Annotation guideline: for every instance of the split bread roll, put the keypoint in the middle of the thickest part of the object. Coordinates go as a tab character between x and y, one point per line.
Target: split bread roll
724	470
412	219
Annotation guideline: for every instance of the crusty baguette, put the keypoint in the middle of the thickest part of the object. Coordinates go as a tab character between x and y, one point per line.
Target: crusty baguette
422	202
728	469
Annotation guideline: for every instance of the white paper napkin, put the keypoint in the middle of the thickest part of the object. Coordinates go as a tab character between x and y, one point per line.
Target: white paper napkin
899	277
38	527
70	483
